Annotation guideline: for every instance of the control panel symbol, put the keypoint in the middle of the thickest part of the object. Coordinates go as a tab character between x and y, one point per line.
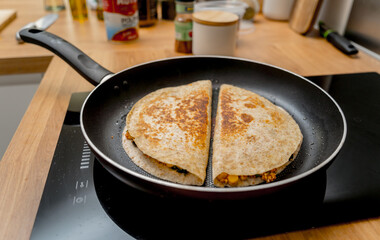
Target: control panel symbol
81	184
79	200
86	154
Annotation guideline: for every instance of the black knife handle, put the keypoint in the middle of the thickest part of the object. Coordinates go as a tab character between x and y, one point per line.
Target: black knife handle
83	64
341	43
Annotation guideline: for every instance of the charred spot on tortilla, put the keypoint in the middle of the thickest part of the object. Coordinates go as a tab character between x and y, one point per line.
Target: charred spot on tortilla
180	170
171	166
167	132
253	141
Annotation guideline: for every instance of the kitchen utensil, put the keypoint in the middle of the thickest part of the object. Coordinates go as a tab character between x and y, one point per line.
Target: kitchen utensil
304	14
6	16
102	118
41	24
340	42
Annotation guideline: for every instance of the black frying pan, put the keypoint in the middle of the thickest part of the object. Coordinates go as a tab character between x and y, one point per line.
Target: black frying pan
103	114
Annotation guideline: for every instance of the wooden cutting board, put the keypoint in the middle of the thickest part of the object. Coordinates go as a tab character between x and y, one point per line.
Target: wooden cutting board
304	15
6	16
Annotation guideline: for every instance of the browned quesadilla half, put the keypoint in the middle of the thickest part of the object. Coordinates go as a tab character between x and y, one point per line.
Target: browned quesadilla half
167	132
254	139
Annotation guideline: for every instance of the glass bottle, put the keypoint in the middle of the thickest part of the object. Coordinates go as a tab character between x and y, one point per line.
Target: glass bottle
54	5
99	10
147	12
167	9
79	9
184	26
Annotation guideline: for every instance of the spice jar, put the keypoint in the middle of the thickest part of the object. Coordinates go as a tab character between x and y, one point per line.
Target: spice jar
184	26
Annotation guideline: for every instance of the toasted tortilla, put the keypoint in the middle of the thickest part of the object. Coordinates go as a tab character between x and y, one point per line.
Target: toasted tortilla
254	139
167	132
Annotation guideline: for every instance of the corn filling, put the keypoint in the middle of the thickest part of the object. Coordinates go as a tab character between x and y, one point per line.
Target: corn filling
128	136
233	180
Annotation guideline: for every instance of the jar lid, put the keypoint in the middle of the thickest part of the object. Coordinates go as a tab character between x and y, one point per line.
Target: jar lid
215	18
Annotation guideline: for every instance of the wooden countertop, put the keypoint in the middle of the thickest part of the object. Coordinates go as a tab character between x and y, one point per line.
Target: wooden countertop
25	165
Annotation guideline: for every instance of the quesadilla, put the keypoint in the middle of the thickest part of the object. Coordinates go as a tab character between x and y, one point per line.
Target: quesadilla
254	139
167	132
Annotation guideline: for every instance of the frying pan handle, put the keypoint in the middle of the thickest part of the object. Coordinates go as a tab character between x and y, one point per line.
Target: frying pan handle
83	64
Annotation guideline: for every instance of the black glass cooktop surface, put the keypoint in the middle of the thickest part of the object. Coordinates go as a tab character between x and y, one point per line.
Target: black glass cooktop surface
81	200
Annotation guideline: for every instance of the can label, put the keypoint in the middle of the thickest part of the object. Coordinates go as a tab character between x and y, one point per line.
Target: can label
121	18
183	31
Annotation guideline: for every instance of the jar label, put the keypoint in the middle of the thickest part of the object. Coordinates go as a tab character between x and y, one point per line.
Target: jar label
124	7
121	27
183	8
183	31
121	18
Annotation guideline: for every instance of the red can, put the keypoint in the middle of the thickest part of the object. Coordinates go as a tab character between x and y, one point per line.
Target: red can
121	18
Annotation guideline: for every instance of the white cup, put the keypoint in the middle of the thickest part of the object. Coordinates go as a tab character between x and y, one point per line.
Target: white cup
214	33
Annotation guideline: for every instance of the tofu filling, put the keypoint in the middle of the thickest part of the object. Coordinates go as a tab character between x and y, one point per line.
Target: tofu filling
233	180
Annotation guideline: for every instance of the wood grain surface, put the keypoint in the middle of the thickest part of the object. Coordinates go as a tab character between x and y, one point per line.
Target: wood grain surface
6	16
25	165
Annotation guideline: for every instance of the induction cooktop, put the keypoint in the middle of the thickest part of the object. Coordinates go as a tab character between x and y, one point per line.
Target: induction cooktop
81	200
